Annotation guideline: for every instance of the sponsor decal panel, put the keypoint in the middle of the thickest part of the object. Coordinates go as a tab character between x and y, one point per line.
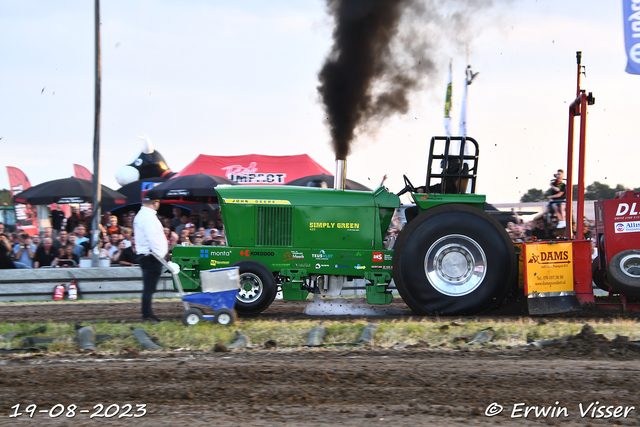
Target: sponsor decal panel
626	210
382	267
216	263
322	255
256	202
303	265
351	256
349	226
549	268
291	255
550	257
340	266
318	266
377	257
627	227
220	253
249	253
360	267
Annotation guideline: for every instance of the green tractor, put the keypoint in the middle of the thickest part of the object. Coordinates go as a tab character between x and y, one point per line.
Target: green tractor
451	258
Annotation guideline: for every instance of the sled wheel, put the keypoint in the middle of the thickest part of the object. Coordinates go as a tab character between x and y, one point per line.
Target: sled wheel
454	259
599	276
225	317
257	288
624	273
193	316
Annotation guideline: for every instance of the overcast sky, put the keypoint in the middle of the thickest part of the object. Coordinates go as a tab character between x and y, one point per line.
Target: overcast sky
230	78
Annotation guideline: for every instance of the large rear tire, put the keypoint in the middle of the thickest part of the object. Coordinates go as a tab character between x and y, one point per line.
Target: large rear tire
454	259
257	288
624	272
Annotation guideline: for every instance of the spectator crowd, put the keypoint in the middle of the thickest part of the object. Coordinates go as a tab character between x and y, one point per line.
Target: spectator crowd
68	239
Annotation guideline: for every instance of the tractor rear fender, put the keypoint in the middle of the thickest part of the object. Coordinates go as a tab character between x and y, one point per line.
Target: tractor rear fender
427	201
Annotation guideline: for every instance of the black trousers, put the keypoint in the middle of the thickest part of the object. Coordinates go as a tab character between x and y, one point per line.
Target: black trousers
151	270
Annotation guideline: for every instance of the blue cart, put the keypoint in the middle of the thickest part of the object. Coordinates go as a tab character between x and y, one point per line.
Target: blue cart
219	290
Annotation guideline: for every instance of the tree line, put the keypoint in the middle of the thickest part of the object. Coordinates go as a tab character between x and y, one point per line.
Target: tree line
595	191
5	198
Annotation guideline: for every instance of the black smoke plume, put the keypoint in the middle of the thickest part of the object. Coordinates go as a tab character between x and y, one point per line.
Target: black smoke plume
361	56
382	51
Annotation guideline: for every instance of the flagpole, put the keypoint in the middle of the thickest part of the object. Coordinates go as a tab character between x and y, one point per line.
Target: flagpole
97	193
447	102
462	129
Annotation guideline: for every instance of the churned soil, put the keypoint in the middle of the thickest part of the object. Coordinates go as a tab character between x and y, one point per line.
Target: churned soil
129	311
320	386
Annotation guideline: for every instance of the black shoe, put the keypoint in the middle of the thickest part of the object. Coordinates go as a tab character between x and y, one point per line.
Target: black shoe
151	319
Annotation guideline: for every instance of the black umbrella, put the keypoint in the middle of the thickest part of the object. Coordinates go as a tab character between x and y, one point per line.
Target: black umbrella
189	188
133	192
319	180
65	191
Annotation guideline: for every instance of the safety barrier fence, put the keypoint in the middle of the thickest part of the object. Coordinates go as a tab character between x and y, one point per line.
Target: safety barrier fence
96	283
93	282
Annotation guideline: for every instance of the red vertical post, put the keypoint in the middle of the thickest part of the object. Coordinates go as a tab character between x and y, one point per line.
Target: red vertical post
573	109
569	192
583	149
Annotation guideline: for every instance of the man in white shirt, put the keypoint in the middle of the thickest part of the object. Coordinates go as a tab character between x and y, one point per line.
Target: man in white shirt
150	238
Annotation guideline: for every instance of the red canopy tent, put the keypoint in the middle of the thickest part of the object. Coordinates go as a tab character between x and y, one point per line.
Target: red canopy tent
255	168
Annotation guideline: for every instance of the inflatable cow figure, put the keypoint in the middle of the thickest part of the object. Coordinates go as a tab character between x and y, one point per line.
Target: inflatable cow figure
148	164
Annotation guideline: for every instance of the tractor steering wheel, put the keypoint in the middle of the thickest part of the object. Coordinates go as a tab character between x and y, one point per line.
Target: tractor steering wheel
408	186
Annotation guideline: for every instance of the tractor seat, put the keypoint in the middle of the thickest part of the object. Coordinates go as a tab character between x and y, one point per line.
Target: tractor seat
455	182
451	176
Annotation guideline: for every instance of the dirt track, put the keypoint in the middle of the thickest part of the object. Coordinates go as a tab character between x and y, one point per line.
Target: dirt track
321	387
315	387
165	309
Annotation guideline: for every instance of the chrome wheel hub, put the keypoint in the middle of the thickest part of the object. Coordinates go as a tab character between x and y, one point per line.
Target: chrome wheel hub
630	265
250	288
455	265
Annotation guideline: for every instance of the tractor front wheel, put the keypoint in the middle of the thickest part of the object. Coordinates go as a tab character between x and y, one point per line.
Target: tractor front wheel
454	259
257	288
624	273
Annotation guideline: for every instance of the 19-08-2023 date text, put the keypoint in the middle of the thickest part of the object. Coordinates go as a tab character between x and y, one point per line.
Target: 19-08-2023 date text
99	410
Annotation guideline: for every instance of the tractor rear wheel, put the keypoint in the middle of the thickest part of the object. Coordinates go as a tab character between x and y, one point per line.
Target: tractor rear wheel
624	272
454	259
257	288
